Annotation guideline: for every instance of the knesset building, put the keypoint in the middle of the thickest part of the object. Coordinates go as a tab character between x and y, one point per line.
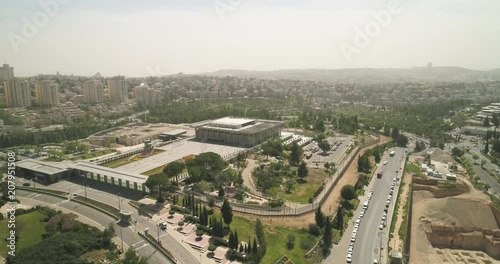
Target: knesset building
51	172
243	132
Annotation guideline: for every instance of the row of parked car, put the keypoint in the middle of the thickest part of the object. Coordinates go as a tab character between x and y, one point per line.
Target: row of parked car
356	227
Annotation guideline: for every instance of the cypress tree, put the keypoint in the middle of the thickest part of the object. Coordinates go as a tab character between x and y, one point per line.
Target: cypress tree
254	248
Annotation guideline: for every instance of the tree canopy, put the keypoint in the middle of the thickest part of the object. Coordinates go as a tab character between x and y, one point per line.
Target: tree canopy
348	192
173	168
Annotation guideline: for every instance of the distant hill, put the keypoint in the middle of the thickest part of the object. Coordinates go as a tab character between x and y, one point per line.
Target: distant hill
415	74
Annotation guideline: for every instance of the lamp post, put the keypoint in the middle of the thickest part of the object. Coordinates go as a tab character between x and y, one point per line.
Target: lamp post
119	202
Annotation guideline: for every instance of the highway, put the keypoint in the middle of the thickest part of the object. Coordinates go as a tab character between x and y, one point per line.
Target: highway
369	238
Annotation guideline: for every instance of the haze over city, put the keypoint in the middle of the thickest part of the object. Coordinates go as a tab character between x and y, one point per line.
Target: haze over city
166	37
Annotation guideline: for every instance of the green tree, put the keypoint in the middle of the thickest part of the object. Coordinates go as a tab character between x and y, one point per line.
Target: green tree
296	154
441	144
395	133
319	125
319	217
290	244
158	183
348	192
486	122
377	156
495	120
173	168
221	192
327	237
324	146
302	171
340	219
401	140
457	152
387	130
273	147
227	212
131	257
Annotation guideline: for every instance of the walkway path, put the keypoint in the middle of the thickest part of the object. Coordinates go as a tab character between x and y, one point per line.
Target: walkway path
395	242
247	176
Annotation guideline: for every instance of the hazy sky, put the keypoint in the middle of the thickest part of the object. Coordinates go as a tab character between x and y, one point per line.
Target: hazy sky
151	37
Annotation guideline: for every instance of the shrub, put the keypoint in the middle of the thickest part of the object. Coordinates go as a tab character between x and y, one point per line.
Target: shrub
181	223
199	232
307	243
290	243
314	230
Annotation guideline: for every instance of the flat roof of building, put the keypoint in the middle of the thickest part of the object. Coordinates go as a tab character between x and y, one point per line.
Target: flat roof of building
48	168
175	132
231	121
111	172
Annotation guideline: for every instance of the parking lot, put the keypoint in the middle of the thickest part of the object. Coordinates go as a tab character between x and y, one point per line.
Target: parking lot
339	146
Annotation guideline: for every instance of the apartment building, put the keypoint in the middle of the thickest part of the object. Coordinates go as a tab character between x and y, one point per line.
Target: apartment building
146	96
6	72
117	89
93	92
47	93
17	93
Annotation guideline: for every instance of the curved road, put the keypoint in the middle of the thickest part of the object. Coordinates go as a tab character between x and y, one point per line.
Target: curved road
130	236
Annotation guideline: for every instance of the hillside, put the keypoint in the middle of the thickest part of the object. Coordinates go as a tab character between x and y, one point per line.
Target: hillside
415	74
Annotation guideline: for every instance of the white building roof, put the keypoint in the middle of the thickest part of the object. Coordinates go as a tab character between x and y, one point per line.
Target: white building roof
231	121
48	168
110	172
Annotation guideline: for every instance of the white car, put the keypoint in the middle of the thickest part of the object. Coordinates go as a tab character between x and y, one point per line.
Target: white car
349	250
358	221
381	227
385	162
353	239
348	259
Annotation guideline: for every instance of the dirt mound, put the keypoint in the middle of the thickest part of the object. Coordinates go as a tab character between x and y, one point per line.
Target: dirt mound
460	212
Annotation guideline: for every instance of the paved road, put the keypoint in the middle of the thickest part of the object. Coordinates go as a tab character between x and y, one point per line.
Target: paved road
130	237
369	237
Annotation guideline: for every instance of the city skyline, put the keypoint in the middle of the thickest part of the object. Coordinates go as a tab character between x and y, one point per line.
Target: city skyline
119	38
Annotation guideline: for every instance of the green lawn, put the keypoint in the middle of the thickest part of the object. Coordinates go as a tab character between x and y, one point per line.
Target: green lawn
94	154
29	228
117	163
412	168
276	239
154	171
52	159
304	191
245	228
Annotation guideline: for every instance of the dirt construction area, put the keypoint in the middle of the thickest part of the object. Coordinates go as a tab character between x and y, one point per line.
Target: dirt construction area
458	228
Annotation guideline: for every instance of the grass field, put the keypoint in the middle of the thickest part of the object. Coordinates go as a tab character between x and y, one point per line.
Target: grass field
29	228
94	154
156	170
129	159
276	238
304	191
412	168
245	228
54	159
117	163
